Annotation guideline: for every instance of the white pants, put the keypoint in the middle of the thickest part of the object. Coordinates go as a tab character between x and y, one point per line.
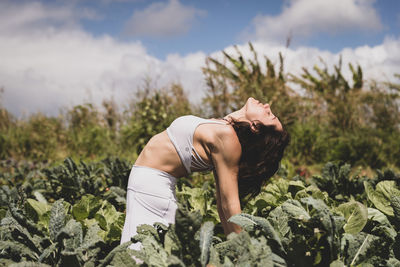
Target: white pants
150	198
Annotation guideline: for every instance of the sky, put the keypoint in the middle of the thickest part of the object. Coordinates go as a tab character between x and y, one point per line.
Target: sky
57	54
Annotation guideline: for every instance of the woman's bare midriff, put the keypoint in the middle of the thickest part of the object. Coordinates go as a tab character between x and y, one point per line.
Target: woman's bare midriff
160	153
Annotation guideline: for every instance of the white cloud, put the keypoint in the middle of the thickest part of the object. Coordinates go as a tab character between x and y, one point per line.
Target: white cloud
162	20
303	18
46	65
33	17
378	62
44	70
64	68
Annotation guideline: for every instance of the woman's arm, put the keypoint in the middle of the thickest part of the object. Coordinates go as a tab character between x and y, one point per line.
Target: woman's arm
226	154
222	217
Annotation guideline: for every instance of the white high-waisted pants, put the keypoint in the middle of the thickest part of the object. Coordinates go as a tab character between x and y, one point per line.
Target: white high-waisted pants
150	198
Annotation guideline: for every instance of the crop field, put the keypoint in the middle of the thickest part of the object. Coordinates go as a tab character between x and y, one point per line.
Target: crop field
335	201
72	215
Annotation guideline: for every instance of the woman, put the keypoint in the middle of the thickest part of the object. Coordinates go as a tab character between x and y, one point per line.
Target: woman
243	150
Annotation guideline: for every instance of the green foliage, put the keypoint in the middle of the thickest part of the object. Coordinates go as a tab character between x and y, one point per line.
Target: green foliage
382	195
337	182
330	117
335	92
293	222
35	138
206	233
70	181
153	112
57	219
231	84
200	199
309	142
71	214
356	215
87	135
63	241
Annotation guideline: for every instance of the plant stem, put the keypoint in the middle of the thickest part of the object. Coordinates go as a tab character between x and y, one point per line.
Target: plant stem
359	250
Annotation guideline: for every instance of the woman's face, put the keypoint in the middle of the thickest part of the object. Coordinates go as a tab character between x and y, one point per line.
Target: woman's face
259	113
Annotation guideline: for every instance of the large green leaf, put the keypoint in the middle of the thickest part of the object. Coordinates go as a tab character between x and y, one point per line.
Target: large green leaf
172	244
295	210
378	216
245	222
107	215
311	191
278	188
395	203
195	198
121	248
37	211
244	250
57	218
279	220
200	199
87	206
115	229
206	233
74	230
123	259
252	222
265	199
16	250
19	234
155	253
274	194
356	215
92	237
382	194
296	185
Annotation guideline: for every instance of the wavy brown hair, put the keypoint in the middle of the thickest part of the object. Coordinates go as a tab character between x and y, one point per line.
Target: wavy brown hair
262	151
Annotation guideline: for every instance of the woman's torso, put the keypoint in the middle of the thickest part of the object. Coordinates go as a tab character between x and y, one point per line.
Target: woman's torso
161	153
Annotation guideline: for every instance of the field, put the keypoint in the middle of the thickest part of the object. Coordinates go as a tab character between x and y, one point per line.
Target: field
72	215
334	202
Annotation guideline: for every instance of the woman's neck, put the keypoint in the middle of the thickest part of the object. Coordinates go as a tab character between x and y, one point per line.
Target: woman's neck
236	115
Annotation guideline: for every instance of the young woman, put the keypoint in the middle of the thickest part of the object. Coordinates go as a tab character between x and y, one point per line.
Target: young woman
243	150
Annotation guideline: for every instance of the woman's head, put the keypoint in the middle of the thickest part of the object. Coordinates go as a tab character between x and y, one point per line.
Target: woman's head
263	141
257	114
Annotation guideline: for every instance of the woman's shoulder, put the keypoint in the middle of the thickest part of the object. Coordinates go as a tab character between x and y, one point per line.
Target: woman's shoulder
222	135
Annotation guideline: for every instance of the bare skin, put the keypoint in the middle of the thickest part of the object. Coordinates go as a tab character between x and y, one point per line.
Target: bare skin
217	144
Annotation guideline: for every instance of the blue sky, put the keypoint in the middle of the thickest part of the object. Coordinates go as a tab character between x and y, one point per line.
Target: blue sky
222	23
57	54
218	25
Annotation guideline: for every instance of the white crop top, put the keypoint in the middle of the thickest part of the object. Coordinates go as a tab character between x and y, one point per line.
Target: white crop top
181	133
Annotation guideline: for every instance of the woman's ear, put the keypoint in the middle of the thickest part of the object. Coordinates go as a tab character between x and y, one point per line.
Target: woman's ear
253	127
